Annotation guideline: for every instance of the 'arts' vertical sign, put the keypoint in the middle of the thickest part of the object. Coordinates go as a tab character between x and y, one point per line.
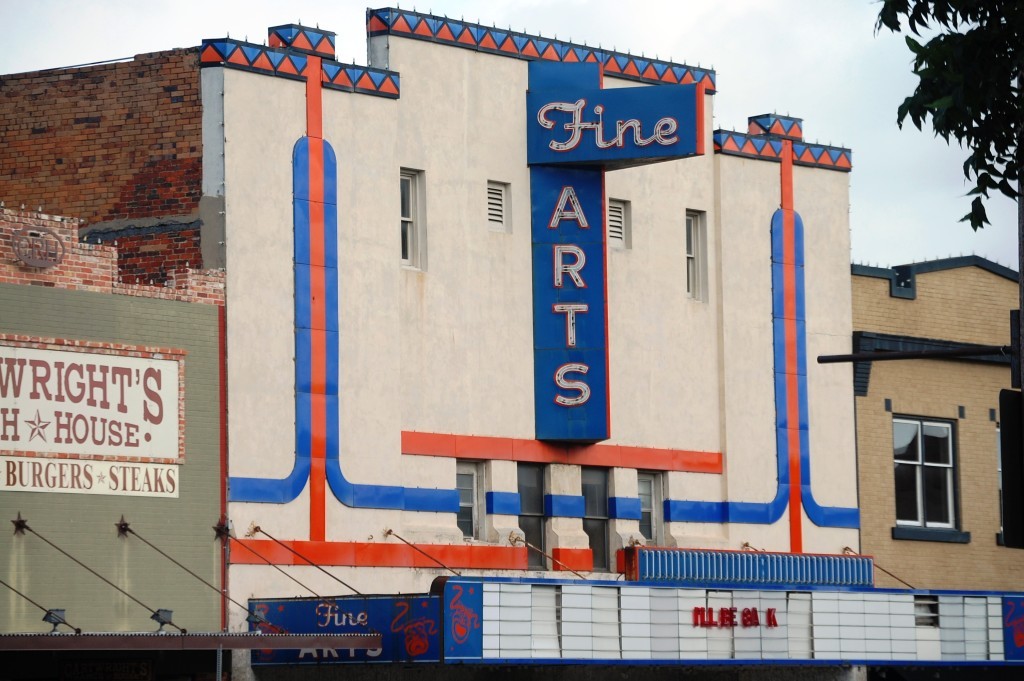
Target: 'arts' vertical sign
575	132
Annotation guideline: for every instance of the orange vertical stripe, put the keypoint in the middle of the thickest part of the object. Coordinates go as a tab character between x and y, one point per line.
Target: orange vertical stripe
787	175
314	102
796	543
318	300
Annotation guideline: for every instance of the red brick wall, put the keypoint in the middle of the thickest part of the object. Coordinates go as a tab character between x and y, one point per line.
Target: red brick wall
90	267
150	254
108	142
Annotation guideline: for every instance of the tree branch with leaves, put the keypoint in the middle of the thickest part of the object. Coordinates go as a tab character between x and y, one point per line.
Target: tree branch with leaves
970	74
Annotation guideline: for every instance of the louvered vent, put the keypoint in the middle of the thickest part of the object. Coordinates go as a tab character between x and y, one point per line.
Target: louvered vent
496	192
617	223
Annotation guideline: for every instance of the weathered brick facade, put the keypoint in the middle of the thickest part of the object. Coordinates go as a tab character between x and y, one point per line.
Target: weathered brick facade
965	301
90	267
117	145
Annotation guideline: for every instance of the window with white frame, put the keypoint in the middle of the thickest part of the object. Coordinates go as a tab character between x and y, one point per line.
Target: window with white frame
924	472
649	485
595	514
467	482
413	201
619	224
499	215
696	256
531	512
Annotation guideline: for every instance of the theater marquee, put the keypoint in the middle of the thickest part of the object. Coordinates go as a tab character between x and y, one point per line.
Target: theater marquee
90	418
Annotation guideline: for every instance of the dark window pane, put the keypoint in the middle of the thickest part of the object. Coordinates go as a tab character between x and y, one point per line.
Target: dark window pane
405	239
904	441
465	519
906	492
533	528
531	489
646	525
936	495
406	189
595	492
937	444
597	531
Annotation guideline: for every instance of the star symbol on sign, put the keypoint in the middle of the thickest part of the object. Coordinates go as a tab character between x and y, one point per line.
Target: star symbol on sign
38	428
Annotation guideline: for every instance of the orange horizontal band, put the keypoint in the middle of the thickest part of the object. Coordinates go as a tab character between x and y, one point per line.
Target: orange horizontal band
373	554
535	451
573	559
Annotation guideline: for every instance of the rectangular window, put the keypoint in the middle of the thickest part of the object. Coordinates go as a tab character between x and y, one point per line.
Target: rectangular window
650	506
531	511
619	224
595	514
696	256
413	235
499	218
923	459
467	482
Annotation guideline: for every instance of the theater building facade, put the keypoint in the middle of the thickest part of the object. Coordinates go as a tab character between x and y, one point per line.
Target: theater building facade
519	358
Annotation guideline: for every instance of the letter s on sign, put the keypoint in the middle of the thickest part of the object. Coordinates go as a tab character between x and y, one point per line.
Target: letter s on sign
155	415
562	382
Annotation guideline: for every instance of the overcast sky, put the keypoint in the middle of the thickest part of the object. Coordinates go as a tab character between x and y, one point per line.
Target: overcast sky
819	60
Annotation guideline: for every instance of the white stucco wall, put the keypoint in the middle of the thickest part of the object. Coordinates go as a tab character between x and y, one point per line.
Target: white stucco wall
449	349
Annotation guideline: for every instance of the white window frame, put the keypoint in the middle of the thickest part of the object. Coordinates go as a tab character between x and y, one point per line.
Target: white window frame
654	482
619	221
499	206
920	465
696	252
475	505
413	234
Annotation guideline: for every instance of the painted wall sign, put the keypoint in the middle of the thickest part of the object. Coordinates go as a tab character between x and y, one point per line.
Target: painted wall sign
575	131
88	403
38	247
410	628
85	476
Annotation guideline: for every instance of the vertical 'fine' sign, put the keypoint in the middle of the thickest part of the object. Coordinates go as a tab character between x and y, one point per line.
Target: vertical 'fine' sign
575	131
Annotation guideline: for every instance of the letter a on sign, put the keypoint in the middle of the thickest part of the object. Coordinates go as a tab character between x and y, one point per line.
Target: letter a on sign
568	208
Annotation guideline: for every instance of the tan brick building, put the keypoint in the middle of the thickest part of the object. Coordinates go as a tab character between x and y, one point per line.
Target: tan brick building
927	430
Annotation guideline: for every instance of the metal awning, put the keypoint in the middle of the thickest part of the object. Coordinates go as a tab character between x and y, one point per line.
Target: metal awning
174	641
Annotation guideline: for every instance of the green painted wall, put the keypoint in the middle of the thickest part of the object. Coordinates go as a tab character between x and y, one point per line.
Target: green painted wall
83	525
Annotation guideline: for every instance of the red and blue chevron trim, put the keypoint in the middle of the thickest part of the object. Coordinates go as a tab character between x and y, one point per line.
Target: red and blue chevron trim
409	24
787	127
303	39
769	148
288	63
